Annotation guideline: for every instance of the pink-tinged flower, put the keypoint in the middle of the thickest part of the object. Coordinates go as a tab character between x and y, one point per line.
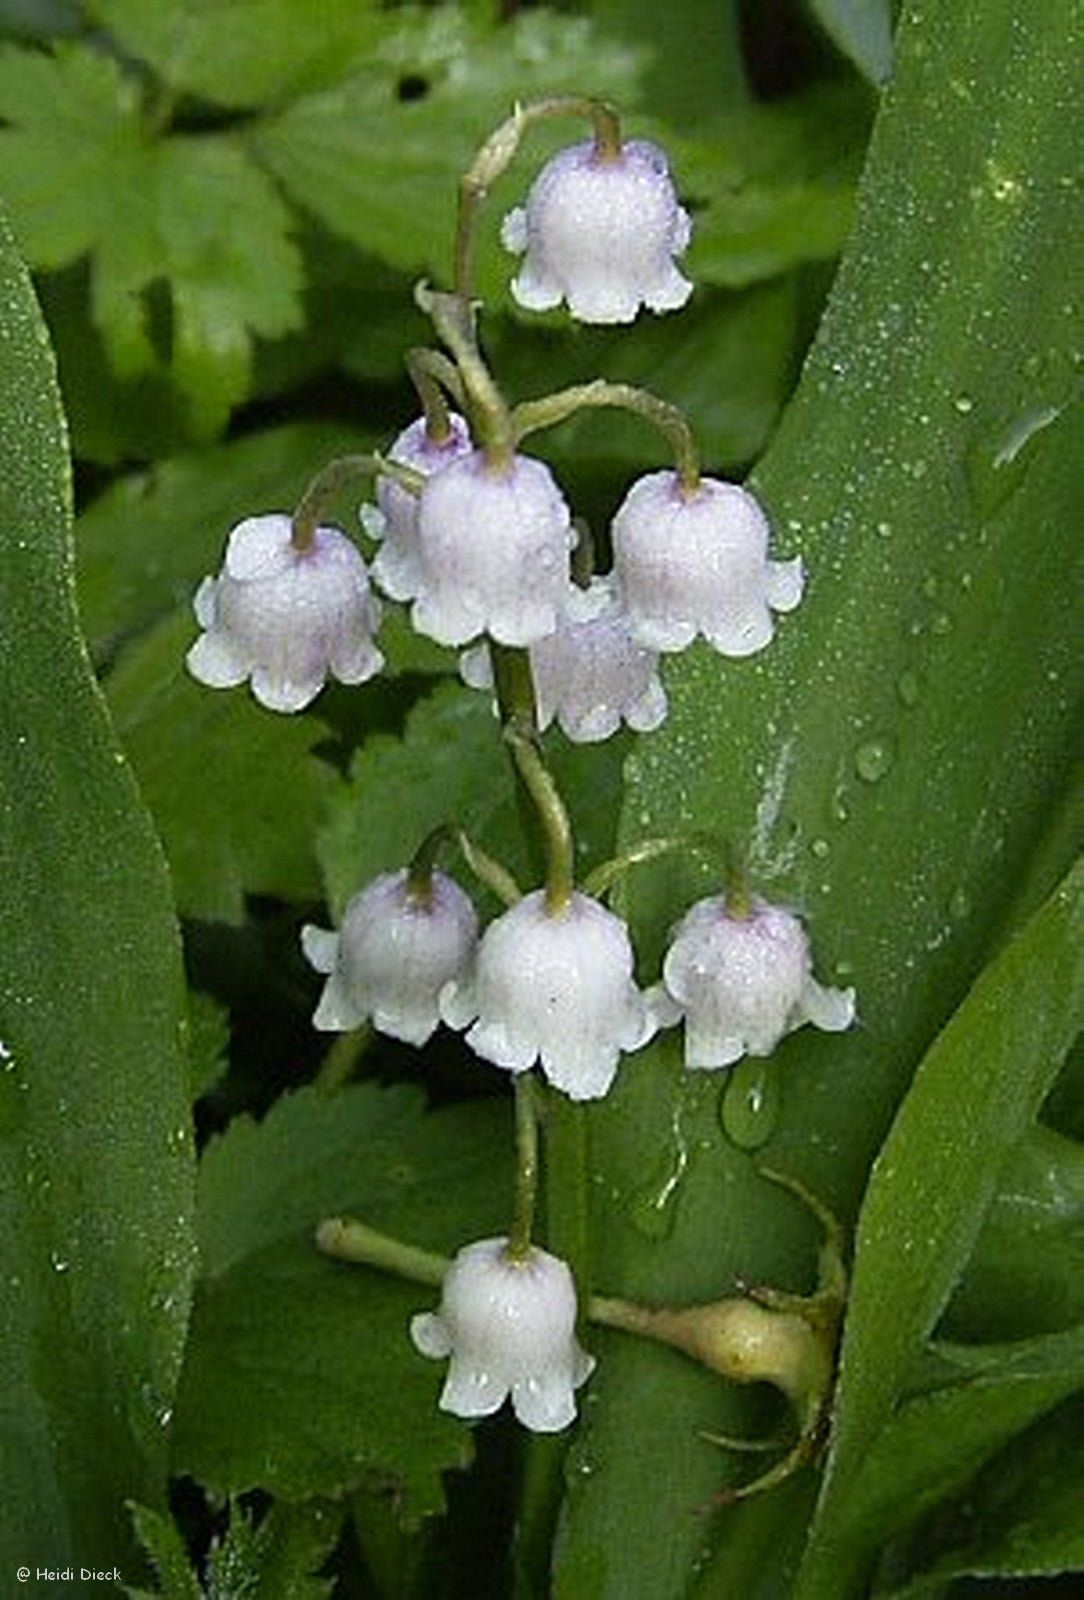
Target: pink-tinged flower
493	544
590	676
395	952
696	562
394	519
284	617
555	987
601	231
509	1326
741	982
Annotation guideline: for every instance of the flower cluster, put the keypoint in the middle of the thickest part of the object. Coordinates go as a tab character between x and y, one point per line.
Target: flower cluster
478	539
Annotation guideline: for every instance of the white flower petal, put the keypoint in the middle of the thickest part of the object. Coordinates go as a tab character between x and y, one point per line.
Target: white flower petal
697	563
600	231
744	981
555	987
215	662
285	618
509	1327
394	955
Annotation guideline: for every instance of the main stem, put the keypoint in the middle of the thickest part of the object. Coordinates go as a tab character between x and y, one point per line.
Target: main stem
519	1240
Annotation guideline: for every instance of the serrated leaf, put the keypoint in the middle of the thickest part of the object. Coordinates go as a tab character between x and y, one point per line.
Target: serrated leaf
300	1376
245	53
73	144
208	1042
96	1160
890	761
234	272
234	789
276	1559
382	170
450	767
162	1541
84	175
144	544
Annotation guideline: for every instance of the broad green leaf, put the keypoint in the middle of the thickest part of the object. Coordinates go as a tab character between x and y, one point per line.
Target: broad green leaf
1026	1272
932	1444
95	1145
235	790
300	1375
772	186
978	1088
889	762
144	544
863	30
1022	1515
685	84
450	766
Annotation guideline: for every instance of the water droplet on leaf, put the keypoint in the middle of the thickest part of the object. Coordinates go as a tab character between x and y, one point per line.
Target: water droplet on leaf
749	1103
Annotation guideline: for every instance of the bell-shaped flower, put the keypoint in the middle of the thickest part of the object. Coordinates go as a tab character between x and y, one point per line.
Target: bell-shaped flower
285	617
394	518
743	981
601	231
509	1325
589	676
554	986
397	948
494	543
691	562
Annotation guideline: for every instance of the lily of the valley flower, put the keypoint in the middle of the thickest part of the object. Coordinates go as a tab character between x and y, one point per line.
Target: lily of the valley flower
696	561
600	230
285	617
394	519
554	986
741	982
493	543
397	949
590	675
508	1323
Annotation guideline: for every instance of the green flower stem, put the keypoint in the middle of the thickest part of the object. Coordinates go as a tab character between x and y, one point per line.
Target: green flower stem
348	1239
492	873
329	483
556	827
531	415
453	319
486	869
607	873
434	376
342	1059
519	1239
497	153
514	687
